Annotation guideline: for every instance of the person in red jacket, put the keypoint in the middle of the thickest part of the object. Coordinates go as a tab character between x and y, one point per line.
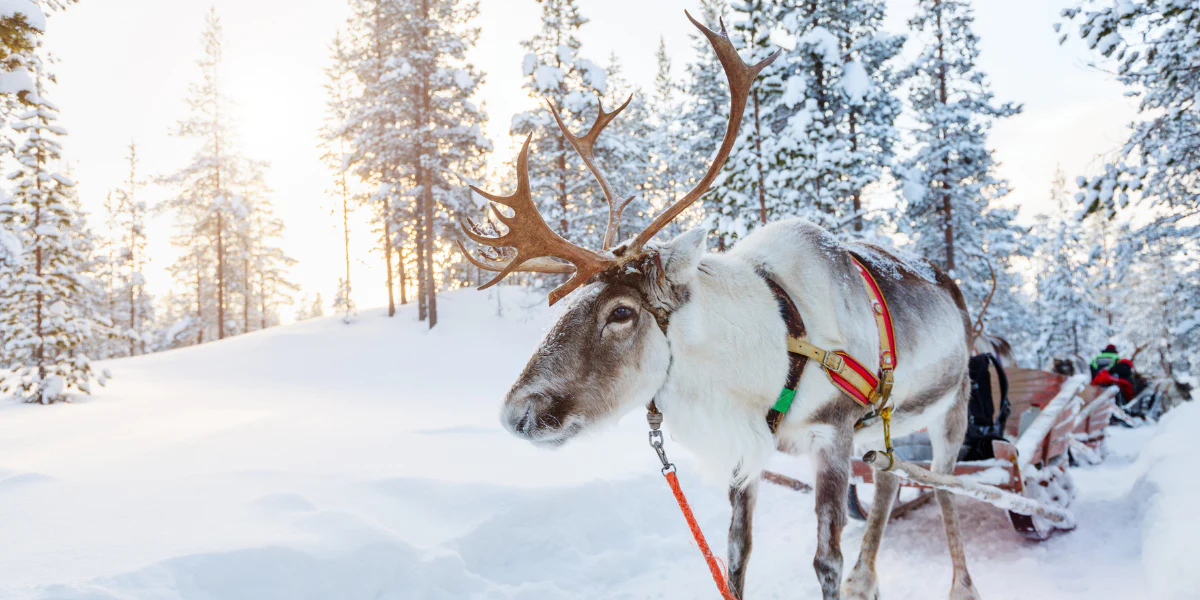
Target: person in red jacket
1113	371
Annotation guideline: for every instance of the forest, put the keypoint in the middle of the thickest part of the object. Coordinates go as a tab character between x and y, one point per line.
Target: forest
874	135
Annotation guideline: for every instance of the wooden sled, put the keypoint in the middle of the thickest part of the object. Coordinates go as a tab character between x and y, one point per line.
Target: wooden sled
1055	420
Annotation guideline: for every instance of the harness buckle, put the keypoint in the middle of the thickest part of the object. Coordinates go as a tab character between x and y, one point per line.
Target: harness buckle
833	361
883	391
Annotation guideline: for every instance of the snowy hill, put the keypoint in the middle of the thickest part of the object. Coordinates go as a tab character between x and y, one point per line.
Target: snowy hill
322	460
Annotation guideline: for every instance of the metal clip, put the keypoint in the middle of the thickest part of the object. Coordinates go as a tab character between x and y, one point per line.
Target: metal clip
656	442
884	390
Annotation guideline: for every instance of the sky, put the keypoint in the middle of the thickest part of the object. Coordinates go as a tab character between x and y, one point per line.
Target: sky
124	67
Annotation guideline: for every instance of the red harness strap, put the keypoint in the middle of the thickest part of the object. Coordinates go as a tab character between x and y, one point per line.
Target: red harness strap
846	372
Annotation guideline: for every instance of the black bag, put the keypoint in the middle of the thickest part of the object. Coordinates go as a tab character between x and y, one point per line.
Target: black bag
983	424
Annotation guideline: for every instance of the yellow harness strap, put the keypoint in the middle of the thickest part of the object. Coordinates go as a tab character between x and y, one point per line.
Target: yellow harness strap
848	374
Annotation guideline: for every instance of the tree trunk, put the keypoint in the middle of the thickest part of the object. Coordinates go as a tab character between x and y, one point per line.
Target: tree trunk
419	216
403	273
429	283
762	189
943	97
220	277
199	304
387	256
345	241
246	296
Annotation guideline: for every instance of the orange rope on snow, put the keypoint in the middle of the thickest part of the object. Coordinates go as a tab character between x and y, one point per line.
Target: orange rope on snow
714	566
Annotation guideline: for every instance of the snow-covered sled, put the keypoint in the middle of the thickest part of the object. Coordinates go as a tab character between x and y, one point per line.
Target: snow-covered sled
1055	420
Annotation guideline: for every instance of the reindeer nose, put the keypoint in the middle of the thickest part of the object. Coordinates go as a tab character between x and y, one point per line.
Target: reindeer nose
520	416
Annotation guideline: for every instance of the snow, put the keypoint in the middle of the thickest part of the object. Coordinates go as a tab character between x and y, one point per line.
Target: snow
10	247
595	75
855	81
793	91
16	81
32	12
565	54
914	191
824	43
463	79
323	460
547	77
529	64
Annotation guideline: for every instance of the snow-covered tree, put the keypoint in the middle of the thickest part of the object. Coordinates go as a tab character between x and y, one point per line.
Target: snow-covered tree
949	183
129	307
340	89
747	195
22	22
1158	311
310	309
839	131
1069	322
222	209
669	169
1152	44
48	313
1152	47
370	119
439	131
703	116
556	72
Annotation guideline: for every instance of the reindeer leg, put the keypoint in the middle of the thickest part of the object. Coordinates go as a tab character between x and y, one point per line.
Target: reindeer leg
740	532
831	463
947	439
863	583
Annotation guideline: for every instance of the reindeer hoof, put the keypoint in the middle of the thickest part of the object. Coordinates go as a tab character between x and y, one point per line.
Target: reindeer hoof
963	589
861	585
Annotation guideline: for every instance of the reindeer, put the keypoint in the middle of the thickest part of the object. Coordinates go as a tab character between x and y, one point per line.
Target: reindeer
705	335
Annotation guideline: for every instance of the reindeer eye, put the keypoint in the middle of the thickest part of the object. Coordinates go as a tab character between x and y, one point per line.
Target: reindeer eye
620	314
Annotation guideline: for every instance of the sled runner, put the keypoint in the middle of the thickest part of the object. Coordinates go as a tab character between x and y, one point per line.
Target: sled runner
1055	421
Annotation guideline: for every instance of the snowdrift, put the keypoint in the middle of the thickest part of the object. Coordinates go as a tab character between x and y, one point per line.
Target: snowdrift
323	460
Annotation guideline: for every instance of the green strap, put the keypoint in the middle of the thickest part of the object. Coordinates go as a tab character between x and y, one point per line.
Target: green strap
785	400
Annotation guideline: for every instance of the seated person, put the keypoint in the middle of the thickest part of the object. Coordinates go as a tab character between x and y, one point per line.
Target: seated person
1105	360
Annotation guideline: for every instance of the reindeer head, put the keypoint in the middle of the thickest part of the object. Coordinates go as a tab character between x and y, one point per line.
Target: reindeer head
609	348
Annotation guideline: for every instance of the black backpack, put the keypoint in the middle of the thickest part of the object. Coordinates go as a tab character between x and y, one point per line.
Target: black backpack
983	424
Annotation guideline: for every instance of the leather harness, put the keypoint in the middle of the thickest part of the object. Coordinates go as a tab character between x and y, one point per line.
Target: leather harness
847	373
844	371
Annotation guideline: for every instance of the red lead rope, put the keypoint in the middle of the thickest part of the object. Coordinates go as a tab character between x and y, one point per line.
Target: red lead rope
714	566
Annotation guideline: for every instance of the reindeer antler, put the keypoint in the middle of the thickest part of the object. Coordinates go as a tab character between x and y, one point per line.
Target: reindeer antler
740	76
537	245
977	329
531	237
585	146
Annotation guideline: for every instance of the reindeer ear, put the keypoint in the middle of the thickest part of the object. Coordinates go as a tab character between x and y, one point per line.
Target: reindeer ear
681	256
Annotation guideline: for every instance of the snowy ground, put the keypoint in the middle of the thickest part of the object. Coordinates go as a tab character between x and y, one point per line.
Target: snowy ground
322	461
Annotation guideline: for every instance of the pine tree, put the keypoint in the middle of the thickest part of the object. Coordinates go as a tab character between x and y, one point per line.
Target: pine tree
340	90
310	309
555	72
130	307
625	155
48	313
1069	322
703	116
1152	46
440	128
840	125
373	114
950	183
669	168
222	211
749	195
